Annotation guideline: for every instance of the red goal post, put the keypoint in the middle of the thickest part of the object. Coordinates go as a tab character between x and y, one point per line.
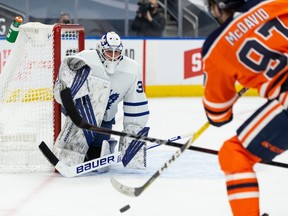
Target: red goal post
64	31
28	111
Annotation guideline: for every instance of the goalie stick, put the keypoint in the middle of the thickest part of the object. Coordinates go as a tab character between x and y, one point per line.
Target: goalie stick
80	169
86	167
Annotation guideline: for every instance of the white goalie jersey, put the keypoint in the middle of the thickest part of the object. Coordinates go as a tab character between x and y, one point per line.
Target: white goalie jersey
125	85
104	92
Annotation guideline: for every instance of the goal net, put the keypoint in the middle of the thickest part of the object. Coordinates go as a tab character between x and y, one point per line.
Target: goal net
28	112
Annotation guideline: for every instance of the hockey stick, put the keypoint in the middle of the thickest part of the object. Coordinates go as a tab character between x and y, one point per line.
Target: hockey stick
80	169
136	145
172	139
108	160
215	152
136	191
86	167
81	123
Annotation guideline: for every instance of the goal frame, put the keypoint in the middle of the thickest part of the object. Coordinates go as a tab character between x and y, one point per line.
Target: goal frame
57	32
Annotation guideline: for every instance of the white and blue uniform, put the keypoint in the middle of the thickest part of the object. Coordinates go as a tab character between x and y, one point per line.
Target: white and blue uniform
125	85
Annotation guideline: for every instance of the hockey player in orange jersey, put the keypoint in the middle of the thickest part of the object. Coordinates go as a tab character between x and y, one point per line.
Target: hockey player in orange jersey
250	47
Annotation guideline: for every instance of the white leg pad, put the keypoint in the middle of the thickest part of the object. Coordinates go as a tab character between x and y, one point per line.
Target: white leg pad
69	157
139	160
108	147
70	144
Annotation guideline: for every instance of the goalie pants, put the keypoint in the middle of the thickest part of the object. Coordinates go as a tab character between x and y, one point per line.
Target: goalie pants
95	146
97	141
262	137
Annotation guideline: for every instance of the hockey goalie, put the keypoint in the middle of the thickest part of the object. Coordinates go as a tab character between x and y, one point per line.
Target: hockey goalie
99	80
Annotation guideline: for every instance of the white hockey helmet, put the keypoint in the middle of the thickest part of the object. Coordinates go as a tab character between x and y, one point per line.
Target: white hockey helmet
111	51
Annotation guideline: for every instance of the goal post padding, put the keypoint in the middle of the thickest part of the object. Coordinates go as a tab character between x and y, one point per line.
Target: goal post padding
28	112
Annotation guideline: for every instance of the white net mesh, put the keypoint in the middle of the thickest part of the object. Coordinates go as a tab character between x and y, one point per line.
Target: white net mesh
26	99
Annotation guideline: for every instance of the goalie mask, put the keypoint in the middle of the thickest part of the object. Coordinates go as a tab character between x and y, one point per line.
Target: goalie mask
110	51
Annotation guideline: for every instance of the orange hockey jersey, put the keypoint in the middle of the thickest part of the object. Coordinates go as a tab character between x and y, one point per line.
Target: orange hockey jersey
251	48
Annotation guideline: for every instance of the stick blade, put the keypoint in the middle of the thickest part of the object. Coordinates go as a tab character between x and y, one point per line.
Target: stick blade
128	191
70	108
48	153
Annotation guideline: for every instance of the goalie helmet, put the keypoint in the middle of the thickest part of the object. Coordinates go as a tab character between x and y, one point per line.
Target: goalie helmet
110	49
227	4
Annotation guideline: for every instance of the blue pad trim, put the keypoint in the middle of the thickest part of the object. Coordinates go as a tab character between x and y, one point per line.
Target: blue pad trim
85	109
79	79
134	147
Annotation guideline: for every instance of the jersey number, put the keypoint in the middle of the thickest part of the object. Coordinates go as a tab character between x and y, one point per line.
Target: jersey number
139	87
267	59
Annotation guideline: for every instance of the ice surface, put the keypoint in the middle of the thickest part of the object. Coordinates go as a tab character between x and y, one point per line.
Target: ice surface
192	186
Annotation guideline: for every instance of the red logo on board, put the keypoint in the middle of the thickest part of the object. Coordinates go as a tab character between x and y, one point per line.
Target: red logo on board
193	63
